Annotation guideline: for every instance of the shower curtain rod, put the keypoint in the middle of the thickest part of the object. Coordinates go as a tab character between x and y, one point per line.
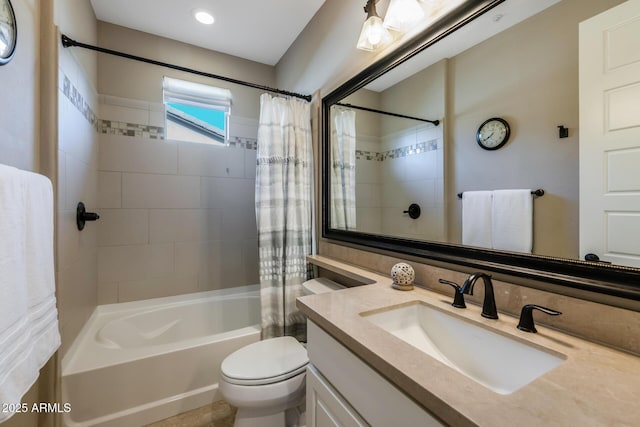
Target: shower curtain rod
68	42
357	107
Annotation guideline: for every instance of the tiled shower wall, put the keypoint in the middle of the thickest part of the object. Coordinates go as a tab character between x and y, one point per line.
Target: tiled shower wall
394	171
175	217
368	184
77	252
412	172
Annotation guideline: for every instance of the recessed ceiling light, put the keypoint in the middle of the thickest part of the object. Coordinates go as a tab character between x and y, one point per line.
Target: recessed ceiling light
203	17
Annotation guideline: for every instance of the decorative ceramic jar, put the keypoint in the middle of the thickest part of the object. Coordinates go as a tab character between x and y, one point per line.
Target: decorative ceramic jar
402	275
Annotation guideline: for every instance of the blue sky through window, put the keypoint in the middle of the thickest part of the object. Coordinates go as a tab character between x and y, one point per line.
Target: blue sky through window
213	117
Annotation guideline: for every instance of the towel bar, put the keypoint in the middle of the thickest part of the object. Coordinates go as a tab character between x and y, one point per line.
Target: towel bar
538	193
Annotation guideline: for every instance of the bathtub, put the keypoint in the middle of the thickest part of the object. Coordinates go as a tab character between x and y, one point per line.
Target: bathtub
138	362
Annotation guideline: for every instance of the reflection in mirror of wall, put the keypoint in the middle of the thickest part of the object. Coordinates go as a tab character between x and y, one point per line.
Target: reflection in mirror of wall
526	74
398	161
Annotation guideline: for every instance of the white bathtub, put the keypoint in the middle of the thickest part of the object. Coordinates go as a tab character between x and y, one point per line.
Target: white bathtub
138	362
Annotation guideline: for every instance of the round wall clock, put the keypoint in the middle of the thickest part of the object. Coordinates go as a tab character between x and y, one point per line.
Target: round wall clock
8	31
493	133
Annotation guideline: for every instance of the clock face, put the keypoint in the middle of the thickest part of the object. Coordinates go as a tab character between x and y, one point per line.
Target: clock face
493	133
8	31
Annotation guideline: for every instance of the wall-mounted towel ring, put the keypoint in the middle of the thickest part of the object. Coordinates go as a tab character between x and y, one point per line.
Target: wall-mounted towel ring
413	211
82	216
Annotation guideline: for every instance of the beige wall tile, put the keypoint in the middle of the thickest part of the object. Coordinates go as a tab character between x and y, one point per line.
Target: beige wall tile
77	135
183	225
202	259
239	194
81	183
239	224
128	154
160	191
212	192
109	189
250	157
107	293
134	263
164	286
123	227
124	114
210	160
77	295
62	180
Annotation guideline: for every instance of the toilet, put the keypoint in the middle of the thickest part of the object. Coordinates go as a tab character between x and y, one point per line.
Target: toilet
266	380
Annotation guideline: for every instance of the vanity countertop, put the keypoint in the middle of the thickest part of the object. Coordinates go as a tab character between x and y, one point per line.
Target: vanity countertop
594	386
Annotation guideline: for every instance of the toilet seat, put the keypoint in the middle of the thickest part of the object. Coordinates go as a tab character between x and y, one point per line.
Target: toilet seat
265	362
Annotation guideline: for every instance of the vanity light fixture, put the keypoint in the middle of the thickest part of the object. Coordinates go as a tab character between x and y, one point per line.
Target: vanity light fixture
403	14
373	34
203	17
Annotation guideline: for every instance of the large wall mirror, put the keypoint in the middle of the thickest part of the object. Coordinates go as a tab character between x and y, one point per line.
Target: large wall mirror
403	133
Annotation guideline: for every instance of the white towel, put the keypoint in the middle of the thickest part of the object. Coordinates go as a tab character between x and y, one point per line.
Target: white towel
476	218
512	220
28	316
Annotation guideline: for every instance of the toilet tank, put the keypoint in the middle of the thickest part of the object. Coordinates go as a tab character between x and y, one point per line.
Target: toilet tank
320	285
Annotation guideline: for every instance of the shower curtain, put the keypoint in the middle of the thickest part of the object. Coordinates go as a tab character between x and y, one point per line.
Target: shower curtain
343	169
283	212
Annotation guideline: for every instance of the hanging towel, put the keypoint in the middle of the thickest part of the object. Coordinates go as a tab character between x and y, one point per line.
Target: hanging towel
28	317
476	219
512	220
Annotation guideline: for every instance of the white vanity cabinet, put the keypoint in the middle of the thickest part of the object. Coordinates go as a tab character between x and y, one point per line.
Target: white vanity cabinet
325	406
342	390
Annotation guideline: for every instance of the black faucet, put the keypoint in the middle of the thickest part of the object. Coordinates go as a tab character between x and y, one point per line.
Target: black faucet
489	309
458	297
526	316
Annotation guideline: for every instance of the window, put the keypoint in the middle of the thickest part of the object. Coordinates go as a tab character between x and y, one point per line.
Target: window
195	112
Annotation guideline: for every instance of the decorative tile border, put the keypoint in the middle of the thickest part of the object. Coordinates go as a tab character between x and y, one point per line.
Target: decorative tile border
75	97
244	143
397	153
112	127
368	155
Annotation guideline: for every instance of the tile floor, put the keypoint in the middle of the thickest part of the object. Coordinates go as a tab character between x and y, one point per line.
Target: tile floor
218	414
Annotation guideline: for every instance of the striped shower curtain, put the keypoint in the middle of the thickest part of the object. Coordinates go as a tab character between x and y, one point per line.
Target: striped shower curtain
343	169
283	212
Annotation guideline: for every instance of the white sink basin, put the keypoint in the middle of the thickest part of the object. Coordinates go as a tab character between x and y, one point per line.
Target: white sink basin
499	362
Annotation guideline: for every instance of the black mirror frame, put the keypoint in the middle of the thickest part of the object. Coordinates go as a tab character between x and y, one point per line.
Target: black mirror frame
595	277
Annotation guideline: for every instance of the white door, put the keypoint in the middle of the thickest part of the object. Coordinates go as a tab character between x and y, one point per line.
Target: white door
610	135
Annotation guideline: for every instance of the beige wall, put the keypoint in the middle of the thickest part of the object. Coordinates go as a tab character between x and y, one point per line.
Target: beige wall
534	88
19	102
324	55
19	128
136	80
20	144
527	75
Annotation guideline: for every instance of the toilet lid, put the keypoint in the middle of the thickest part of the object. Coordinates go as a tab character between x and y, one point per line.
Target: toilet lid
265	362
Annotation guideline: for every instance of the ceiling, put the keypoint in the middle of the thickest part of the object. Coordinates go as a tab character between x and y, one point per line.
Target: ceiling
258	30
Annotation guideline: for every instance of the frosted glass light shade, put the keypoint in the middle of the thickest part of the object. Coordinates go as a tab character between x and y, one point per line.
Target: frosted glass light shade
403	14
373	34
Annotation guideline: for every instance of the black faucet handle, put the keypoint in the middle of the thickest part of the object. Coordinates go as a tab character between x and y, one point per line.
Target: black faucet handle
458	297
526	316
